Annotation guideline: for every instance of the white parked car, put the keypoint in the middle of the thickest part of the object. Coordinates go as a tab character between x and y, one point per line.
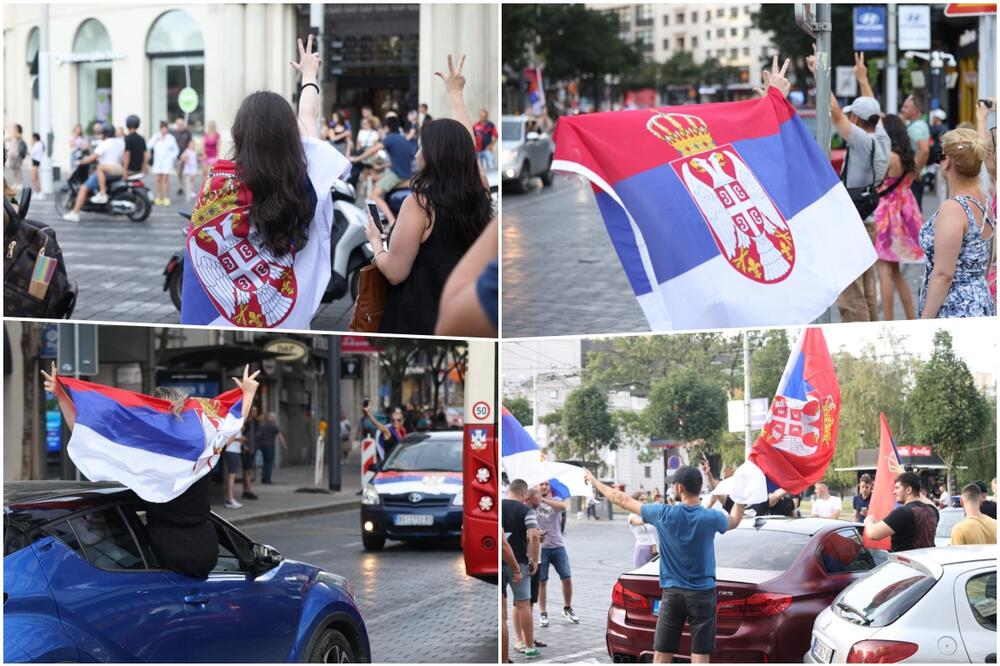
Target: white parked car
947	519
931	605
525	152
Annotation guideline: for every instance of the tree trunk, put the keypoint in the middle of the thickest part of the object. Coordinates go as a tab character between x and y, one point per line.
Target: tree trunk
30	334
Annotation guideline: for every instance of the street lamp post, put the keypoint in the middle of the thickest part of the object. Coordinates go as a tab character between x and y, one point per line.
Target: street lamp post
333	412
824	43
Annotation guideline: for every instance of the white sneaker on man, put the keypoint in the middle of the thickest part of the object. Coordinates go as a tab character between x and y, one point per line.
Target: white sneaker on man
233	504
99	198
71	217
39	196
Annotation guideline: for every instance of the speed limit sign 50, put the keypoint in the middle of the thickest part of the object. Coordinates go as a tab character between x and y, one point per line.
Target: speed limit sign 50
481	410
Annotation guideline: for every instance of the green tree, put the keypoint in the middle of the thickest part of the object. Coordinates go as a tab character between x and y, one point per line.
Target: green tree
587	423
686	406
980	458
557	443
791	42
767	361
399	354
948	411
520	408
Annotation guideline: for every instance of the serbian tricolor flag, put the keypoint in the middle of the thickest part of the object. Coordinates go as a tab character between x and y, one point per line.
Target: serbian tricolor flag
883	499
522	459
799	436
139	441
231	278
721	214
536	93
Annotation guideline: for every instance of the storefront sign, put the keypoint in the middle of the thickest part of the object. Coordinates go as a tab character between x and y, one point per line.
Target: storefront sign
869	29
93	56
758	414
187	100
194	383
846	82
912	451
914	27
50	341
357	344
292	351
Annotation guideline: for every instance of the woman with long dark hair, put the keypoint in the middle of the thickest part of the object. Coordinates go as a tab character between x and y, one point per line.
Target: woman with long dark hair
258	249
448	207
897	220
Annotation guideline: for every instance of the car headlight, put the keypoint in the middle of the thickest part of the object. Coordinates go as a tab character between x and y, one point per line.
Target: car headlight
457	500
334	580
370	495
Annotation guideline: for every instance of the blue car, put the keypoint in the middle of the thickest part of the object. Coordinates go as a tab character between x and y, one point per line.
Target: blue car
80	583
417	493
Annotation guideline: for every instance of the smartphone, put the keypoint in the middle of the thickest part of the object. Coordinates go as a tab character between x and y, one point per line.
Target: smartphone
376	215
364	403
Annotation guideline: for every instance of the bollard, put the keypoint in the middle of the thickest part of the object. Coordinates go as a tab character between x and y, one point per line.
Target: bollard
368	453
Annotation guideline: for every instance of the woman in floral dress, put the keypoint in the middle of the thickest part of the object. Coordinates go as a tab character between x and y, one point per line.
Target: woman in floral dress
897	221
958	239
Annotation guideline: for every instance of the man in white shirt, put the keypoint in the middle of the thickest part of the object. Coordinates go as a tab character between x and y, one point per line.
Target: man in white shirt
825	505
108	153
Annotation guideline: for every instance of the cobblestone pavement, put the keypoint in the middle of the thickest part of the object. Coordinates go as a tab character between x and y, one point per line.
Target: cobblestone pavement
561	275
118	264
418	604
598	552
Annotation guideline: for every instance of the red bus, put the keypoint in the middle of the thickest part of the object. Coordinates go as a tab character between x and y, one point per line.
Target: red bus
480	463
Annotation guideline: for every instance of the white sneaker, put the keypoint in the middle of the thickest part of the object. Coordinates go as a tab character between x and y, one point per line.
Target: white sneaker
233	504
39	196
99	198
71	217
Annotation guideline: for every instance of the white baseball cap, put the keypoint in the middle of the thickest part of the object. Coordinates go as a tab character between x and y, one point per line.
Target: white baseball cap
864	107
939	114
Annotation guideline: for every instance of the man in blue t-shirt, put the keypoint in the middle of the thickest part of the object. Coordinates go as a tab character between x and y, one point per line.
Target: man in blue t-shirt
401	153
686	533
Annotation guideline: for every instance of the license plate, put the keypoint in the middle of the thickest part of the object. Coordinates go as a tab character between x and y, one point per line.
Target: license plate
412	519
821	651
656	607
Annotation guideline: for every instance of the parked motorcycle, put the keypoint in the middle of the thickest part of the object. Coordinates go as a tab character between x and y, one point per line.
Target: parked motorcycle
128	197
350	250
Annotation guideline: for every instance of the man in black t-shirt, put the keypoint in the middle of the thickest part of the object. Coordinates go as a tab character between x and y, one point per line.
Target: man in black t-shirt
911	525
988	507
135	149
521	528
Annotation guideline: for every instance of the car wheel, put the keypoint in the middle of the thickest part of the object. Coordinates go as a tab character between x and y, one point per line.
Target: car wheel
332	647
521	184
547	176
372	542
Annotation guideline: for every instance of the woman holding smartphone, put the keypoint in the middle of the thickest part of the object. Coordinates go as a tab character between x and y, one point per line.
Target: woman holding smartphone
449	206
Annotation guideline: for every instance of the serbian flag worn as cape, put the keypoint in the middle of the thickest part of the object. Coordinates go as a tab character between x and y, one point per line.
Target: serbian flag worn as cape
799	437
722	214
522	459
138	441
230	276
883	499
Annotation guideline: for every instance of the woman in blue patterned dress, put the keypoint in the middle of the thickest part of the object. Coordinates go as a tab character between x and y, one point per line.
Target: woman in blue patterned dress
958	238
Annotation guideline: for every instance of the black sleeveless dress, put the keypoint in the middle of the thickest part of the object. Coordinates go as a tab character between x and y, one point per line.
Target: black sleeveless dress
412	305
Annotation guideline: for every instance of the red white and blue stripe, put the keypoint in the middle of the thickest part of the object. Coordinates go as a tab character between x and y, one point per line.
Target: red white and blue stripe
427	483
522	459
675	262
138	440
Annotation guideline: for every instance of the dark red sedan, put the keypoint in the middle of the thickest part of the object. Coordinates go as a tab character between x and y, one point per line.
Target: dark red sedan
774	575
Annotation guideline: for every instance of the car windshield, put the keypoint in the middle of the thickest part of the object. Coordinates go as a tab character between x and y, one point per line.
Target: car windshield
881	597
946	521
510	130
758	549
427	455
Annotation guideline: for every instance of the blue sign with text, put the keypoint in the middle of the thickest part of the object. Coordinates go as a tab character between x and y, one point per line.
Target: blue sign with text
869	28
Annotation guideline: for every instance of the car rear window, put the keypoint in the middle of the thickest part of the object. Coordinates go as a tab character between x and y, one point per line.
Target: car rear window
881	597
510	130
946	521
429	455
758	549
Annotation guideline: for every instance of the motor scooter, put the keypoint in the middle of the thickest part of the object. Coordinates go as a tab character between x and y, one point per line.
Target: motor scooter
128	197
350	250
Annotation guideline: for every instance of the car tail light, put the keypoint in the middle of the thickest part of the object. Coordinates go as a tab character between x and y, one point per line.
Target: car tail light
628	599
880	652
760	604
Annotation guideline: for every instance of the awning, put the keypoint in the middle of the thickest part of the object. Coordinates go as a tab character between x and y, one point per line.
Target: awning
226	356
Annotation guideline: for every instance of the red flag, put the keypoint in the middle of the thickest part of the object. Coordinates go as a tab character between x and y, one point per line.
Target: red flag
883	489
800	436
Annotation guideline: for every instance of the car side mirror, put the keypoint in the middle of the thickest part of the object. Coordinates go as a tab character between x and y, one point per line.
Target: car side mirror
533	136
265	558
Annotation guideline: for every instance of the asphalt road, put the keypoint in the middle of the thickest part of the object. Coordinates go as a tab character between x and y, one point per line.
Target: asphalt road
561	275
598	552
418	604
118	264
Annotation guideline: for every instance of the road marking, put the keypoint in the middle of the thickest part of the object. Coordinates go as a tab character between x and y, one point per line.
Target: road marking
314	552
350	545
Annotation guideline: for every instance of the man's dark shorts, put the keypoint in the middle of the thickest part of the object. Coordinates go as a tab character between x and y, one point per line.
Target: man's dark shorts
677	606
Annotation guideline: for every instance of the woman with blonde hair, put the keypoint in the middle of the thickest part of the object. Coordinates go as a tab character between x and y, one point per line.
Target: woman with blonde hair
959	238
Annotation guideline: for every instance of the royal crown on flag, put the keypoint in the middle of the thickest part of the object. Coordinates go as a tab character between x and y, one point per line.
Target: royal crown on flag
688	134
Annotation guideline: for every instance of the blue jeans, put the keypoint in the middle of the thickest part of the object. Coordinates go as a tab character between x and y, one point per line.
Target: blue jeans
558	558
487	160
268	453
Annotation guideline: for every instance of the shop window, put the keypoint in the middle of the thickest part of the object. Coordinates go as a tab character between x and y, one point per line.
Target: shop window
93	80
176	52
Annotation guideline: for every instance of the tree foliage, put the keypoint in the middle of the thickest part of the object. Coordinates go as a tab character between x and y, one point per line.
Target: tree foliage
587	423
948	411
399	354
686	406
791	42
520	408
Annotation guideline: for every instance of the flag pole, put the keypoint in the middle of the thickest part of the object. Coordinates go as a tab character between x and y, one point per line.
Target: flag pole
746	395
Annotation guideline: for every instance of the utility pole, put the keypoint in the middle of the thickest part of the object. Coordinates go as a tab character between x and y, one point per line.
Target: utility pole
534	387
45	100
892	65
823	29
333	412
747	441
987	56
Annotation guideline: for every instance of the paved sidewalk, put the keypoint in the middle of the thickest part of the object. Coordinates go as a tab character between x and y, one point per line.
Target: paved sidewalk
282	499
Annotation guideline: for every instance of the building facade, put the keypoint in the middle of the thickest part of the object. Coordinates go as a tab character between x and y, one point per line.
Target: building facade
110	61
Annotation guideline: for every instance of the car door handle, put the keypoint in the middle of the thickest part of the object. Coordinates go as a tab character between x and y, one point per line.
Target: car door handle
196	599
